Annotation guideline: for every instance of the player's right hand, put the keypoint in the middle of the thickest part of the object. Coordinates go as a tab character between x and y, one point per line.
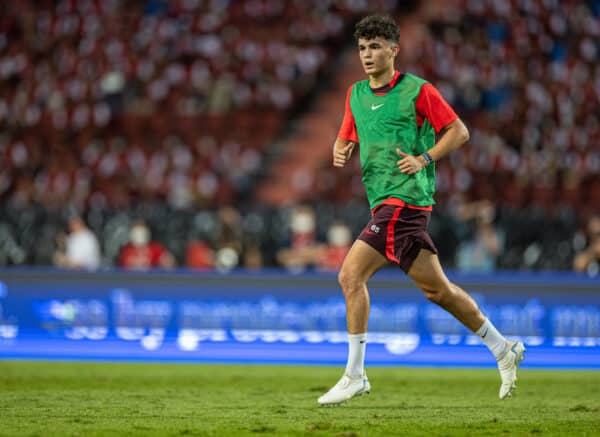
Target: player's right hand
341	154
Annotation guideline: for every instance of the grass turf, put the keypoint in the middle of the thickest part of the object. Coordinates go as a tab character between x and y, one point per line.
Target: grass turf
91	399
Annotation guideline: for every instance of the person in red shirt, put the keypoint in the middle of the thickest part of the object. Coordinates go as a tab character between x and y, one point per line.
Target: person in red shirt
141	253
339	240
199	255
402	113
304	246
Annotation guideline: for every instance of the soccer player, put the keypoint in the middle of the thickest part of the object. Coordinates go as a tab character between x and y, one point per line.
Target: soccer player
393	119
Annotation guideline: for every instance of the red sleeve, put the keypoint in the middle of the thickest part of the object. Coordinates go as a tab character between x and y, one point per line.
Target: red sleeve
125	256
431	105
156	251
348	129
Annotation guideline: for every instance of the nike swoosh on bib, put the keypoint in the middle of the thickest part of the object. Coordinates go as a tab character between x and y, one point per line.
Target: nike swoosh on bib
373	107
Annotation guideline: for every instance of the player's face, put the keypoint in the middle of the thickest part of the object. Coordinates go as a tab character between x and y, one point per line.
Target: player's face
377	55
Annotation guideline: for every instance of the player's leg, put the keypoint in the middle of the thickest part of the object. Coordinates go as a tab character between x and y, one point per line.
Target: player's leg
359	265
361	262
428	274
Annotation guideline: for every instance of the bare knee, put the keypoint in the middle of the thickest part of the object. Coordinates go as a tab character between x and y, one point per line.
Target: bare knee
439	294
350	282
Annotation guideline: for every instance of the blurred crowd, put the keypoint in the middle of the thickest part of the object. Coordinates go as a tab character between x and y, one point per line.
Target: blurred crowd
130	126
106	102
219	240
525	77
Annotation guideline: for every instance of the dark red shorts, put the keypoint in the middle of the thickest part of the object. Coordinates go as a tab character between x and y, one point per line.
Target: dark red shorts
398	233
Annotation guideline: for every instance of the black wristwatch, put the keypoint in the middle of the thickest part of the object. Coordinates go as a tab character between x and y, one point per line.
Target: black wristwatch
427	157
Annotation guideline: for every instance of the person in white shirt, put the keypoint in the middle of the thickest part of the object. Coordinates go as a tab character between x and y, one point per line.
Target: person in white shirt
82	250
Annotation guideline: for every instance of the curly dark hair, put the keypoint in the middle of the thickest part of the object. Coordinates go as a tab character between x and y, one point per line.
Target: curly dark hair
373	26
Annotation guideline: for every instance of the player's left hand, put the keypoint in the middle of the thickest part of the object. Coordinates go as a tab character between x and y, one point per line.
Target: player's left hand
409	164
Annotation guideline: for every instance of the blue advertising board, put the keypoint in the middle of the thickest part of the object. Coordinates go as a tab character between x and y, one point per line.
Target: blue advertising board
276	317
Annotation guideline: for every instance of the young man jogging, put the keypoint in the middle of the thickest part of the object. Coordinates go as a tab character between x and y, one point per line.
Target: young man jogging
393	118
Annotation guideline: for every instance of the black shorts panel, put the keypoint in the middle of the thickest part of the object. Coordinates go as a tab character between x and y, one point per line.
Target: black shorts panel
399	234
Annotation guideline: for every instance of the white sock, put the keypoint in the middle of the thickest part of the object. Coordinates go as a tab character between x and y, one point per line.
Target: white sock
495	342
356	354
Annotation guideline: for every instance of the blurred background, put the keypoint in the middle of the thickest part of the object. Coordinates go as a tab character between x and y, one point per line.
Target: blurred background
198	133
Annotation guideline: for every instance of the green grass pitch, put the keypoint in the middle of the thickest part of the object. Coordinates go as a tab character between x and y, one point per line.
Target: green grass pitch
97	399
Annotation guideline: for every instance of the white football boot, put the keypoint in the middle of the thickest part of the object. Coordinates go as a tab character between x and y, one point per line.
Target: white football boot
346	388
508	365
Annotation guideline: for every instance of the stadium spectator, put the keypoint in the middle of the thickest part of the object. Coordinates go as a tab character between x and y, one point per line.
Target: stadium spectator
253	257
479	252
588	259
331	255
79	249
199	255
141	253
304	249
229	244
